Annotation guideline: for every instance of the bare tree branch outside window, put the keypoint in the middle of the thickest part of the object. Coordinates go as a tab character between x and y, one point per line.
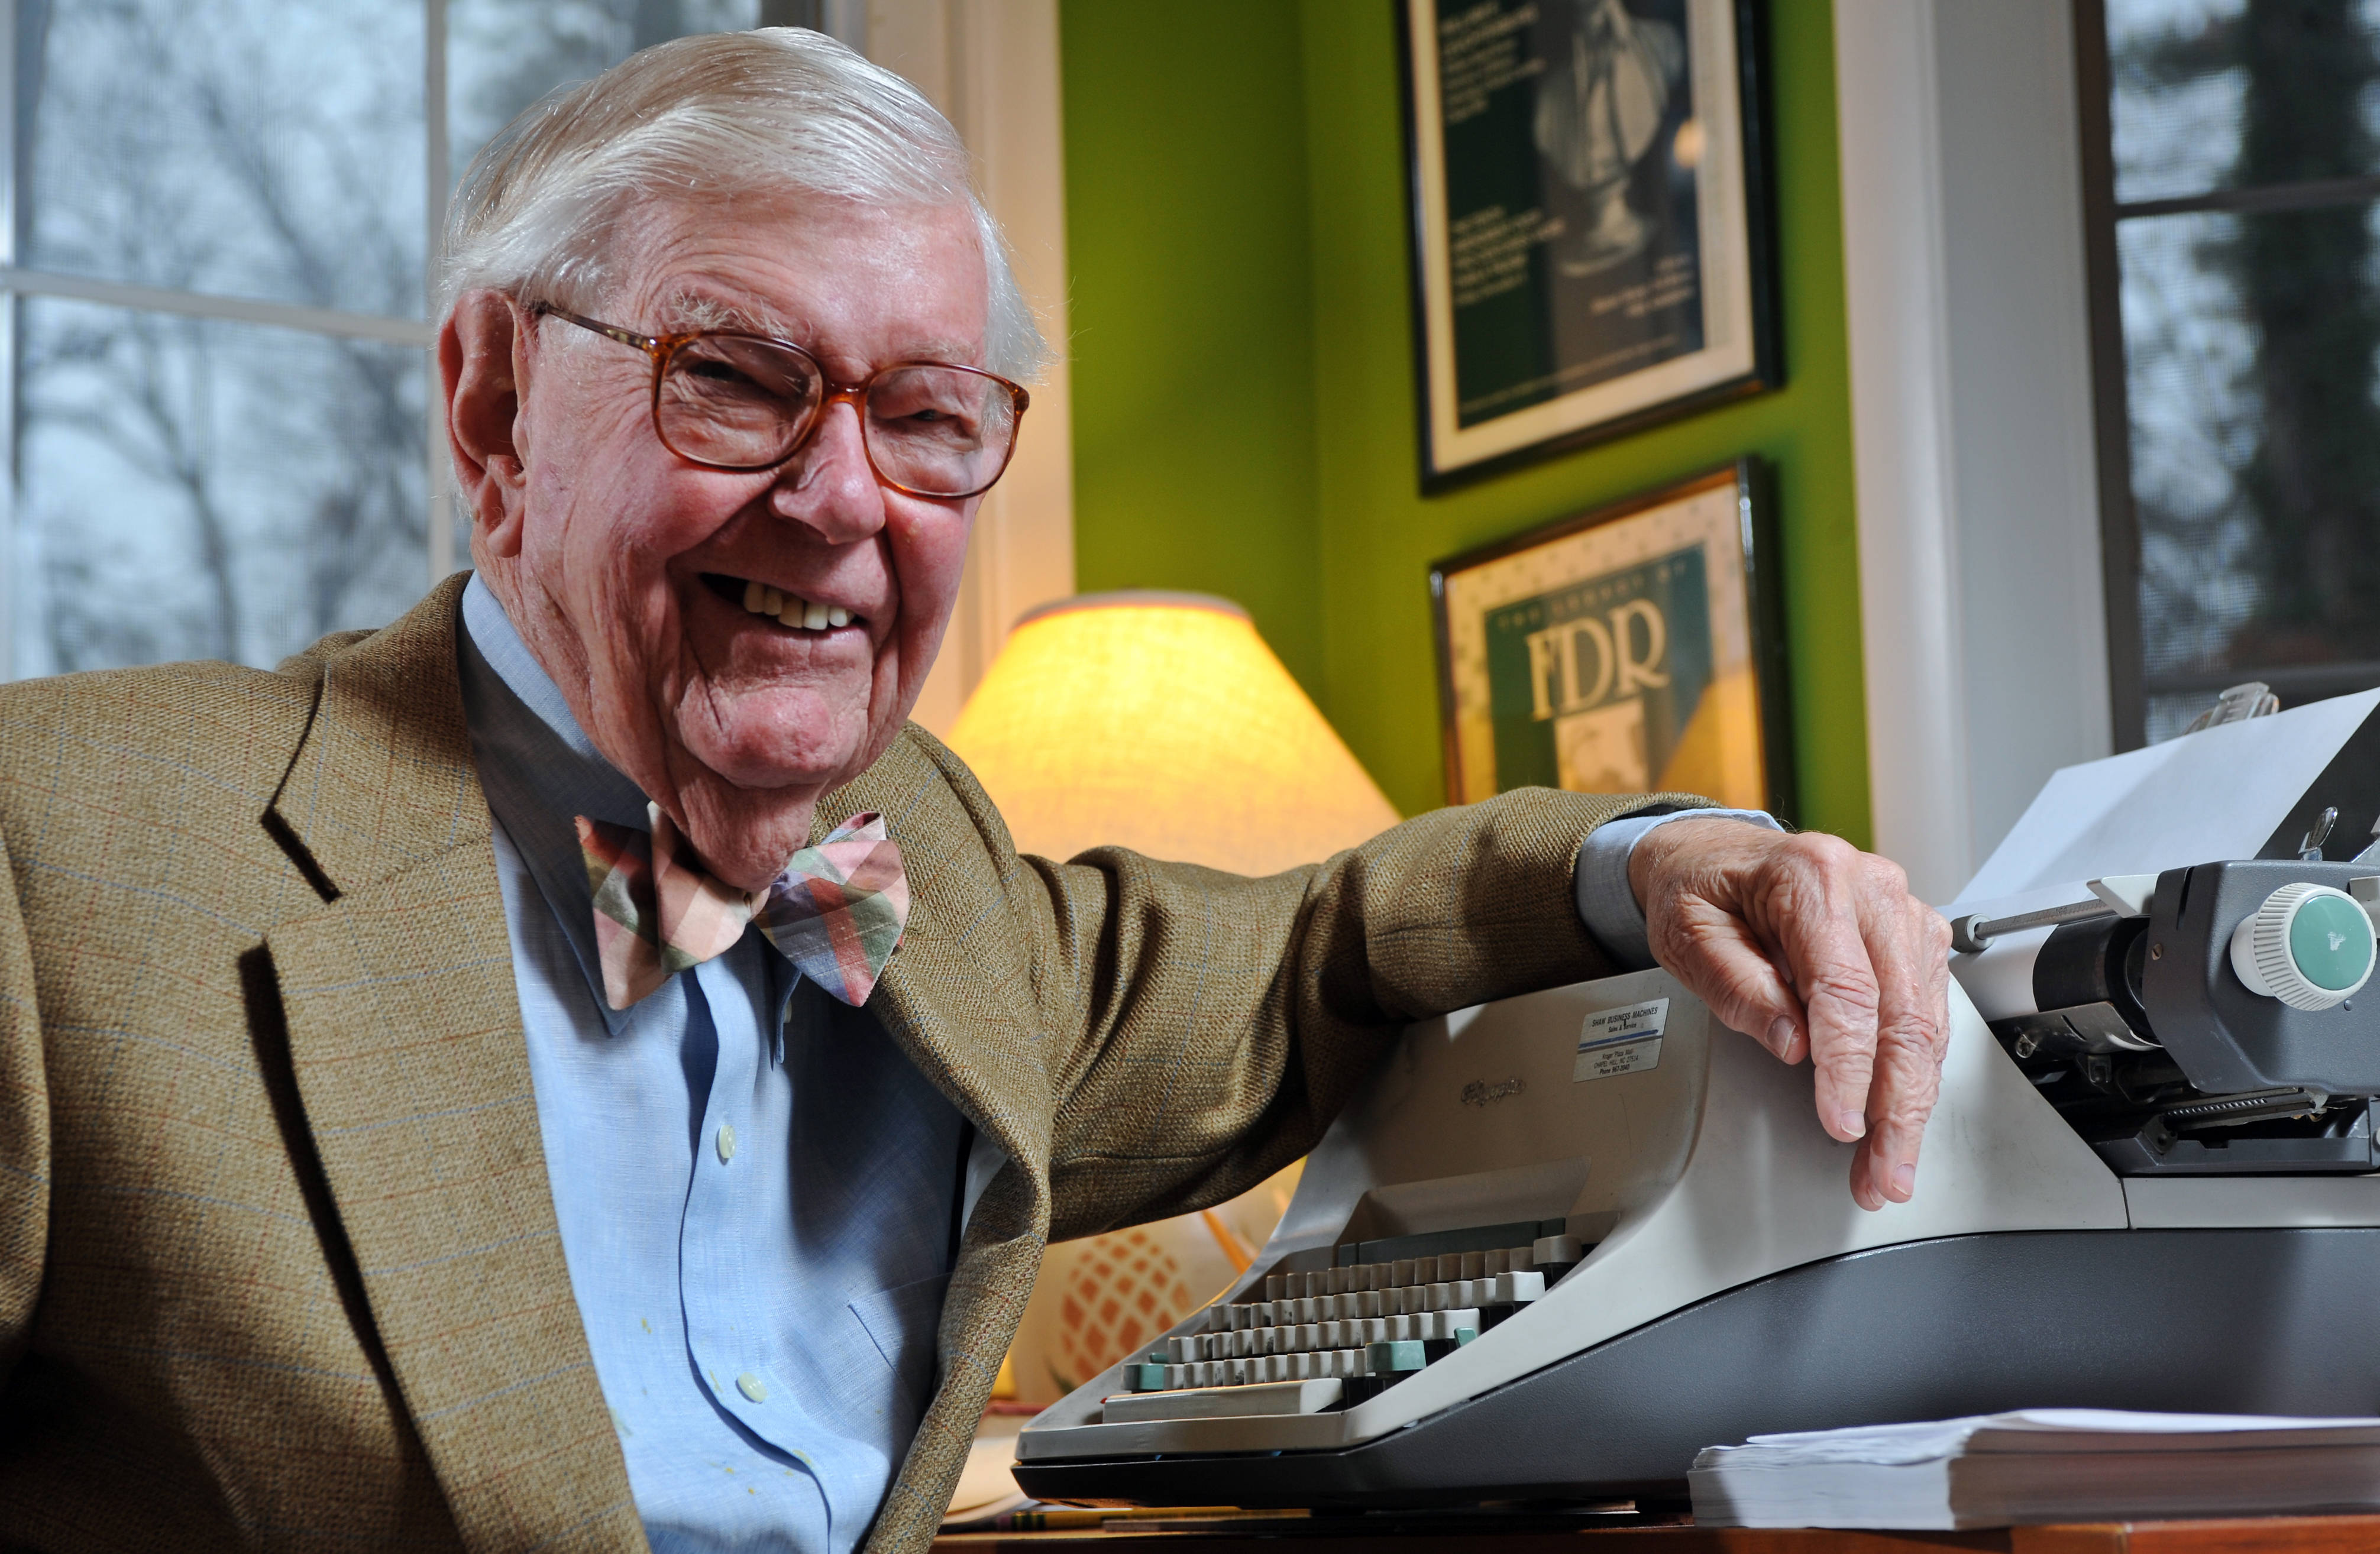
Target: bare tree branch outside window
199	488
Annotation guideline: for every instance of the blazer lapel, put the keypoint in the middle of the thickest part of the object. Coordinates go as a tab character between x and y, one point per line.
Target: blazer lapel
383	776
404	1033
957	994
957	997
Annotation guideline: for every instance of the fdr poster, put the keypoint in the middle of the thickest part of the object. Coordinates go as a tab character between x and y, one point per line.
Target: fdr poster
1593	683
1611	653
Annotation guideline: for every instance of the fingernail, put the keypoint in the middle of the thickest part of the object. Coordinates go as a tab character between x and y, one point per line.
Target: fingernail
1851	1125
1780	1035
1904	1178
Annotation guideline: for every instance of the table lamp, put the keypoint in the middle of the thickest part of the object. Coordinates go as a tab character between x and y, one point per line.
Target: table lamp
1160	722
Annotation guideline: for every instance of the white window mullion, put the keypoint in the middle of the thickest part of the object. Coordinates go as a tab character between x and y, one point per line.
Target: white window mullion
441	521
9	194
202	305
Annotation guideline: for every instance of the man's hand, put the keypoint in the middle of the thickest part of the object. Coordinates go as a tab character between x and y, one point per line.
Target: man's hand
1810	946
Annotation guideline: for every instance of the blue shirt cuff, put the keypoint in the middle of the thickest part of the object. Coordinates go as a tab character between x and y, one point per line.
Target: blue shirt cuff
1607	902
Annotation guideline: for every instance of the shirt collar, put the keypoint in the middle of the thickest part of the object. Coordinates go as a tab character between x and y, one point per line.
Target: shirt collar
539	772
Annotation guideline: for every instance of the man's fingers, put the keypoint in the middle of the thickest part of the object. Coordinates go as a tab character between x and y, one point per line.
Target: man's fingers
1710	951
1811	945
1886	1169
1909	946
1697	929
1815	909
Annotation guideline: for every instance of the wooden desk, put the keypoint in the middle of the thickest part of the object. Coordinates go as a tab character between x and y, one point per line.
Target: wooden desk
2290	1534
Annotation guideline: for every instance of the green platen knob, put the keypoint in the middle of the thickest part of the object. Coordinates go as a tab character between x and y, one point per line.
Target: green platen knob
2308	945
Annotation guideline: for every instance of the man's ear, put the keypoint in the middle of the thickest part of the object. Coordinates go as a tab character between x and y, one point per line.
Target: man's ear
480	368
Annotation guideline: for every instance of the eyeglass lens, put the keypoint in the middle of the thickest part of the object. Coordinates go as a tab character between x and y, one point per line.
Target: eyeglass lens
746	403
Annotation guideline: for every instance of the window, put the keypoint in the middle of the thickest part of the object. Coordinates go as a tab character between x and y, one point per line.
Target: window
2231	152
221	216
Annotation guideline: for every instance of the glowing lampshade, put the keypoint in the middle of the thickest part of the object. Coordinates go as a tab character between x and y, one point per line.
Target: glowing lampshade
1160	722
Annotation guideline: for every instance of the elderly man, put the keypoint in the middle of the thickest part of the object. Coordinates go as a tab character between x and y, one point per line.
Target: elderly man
577	1068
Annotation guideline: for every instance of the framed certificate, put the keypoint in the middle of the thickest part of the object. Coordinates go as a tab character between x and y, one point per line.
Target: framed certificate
1590	221
1635	649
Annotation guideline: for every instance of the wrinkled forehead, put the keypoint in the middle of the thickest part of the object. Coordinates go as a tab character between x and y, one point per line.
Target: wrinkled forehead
809	269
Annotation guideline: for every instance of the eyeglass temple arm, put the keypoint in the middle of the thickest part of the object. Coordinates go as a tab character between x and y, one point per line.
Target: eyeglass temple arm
645	342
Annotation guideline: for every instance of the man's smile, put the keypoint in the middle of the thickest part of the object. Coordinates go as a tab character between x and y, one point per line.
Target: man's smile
789	610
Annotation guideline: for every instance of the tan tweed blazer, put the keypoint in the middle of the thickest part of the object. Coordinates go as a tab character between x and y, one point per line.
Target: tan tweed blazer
278	1263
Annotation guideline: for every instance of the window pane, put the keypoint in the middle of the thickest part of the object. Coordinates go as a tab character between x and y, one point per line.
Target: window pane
2212	94
502	56
2249	350
272	152
194	489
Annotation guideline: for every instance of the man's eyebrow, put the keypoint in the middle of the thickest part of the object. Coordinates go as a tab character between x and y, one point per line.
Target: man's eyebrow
955	352
687	311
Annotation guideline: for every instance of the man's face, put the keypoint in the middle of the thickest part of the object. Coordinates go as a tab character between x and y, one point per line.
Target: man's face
625	567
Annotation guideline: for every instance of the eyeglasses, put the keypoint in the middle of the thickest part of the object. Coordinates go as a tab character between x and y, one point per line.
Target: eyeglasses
727	400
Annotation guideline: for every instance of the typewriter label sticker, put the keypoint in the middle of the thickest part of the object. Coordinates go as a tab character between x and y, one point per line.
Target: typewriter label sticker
1621	1040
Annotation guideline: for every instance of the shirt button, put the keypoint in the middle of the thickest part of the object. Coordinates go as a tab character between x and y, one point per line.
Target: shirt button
727	1145
752	1387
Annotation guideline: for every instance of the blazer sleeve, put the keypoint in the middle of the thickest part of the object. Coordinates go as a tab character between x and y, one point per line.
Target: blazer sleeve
1209	1025
24	1132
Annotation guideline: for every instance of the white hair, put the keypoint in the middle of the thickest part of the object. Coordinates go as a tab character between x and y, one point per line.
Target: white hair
724	114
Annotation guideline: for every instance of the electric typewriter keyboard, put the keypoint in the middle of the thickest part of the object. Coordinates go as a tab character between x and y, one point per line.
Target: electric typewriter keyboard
1367	1325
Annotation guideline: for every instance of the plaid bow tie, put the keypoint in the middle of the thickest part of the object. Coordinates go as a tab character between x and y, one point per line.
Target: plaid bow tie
836	911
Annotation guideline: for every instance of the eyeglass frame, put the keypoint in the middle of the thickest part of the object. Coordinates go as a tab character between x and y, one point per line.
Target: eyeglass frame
662	348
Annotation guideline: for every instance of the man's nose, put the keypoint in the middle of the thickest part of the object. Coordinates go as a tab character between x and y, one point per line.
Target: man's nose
829	485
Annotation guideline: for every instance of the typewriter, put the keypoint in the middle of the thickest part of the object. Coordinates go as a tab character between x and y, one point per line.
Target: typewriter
1562	1242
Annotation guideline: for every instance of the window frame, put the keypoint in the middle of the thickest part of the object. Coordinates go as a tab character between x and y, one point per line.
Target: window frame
18	283
2119	528
443	551
2128	685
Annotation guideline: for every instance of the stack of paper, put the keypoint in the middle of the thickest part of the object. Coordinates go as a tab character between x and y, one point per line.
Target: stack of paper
2042	1464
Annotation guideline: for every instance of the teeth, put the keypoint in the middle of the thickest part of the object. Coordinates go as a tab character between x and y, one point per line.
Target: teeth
801	615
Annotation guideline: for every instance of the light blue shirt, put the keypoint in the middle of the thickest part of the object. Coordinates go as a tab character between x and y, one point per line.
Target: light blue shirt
760	1303
760	1197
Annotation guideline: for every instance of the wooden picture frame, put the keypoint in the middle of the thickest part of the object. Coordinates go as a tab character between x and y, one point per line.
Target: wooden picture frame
1590	221
1638	647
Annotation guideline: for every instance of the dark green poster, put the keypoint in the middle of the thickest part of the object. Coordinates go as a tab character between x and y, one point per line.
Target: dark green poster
1589	219
1572	151
1591	686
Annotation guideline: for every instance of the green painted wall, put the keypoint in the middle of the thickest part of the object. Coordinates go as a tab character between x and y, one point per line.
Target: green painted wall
1244	367
1191	309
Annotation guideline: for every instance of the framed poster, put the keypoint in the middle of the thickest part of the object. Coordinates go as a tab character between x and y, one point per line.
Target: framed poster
1590	221
1636	648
